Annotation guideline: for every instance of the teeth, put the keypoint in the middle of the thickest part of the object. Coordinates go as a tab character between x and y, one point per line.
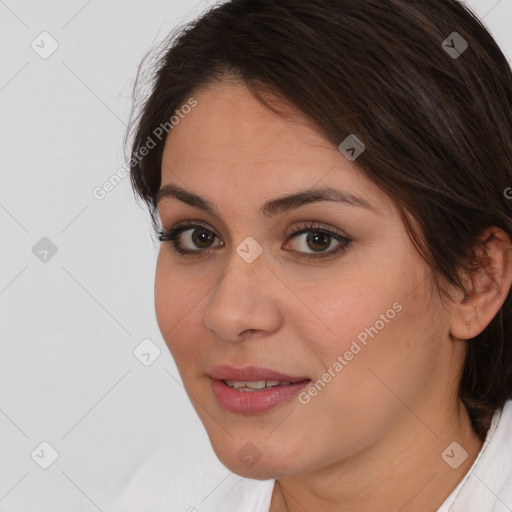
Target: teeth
272	383
246	385
254	385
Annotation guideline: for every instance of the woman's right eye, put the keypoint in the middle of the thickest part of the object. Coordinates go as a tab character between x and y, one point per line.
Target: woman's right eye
198	236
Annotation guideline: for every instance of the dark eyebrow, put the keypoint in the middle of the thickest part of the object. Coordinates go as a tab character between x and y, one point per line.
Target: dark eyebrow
274	206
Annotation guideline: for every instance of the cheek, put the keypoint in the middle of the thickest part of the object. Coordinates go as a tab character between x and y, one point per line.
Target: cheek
165	295
351	305
177	302
389	342
380	316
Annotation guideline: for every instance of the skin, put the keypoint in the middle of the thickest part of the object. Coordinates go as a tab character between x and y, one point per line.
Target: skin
372	439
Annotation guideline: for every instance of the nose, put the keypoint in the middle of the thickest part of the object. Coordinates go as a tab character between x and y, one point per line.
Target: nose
245	301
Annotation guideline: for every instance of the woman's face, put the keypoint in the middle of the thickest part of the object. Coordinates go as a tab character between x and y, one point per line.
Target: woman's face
357	318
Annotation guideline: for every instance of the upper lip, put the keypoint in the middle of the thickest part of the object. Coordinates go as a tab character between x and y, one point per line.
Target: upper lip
251	374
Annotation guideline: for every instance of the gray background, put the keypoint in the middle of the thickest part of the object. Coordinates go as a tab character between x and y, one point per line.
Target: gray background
70	321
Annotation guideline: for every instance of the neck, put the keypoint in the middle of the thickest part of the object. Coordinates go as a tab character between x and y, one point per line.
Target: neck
405	472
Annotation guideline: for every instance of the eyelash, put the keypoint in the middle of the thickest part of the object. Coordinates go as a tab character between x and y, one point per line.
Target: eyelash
173	234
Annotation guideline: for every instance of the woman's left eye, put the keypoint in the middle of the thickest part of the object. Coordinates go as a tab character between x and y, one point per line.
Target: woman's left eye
191	239
319	240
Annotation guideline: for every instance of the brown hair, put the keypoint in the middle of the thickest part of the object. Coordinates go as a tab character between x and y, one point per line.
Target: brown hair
437	126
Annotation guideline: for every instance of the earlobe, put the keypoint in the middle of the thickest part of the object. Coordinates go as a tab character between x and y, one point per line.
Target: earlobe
487	288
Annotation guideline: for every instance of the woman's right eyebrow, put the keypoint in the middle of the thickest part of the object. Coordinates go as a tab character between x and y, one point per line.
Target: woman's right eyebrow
272	207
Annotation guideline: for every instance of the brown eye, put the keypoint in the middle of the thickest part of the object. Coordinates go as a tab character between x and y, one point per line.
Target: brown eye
317	241
189	238
202	238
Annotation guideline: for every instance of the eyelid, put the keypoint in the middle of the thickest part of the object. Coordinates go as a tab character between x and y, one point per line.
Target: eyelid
188	224
302	227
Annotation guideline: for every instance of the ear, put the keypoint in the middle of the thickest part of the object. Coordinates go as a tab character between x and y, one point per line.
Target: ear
487	288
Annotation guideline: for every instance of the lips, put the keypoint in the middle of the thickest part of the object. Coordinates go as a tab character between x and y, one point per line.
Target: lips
251	374
253	390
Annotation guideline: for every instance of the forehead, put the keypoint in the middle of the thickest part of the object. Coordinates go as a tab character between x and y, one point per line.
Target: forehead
230	123
230	142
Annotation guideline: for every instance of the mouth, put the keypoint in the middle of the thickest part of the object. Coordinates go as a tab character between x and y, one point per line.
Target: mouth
253	390
256	385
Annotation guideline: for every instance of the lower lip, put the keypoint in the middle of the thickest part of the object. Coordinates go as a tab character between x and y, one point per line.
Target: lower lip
254	402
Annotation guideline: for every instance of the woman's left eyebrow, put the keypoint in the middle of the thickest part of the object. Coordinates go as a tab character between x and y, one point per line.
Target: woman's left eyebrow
314	195
274	206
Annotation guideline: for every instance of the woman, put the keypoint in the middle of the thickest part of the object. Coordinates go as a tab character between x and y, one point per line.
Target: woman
330	181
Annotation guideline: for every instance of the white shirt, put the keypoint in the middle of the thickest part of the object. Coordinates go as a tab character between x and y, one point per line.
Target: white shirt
207	486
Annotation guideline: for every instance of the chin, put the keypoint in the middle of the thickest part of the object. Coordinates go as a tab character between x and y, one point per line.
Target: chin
249	462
